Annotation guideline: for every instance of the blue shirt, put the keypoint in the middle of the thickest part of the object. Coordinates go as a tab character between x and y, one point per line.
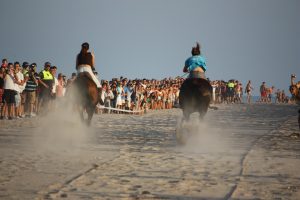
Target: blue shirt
194	62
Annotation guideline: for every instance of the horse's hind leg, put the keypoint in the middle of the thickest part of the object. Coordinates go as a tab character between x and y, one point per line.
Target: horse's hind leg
81	110
299	118
202	111
90	112
186	115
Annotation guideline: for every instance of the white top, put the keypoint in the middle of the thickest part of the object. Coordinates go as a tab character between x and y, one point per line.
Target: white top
9	83
55	84
20	76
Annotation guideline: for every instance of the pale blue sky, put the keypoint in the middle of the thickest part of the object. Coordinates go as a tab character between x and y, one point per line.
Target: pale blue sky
256	40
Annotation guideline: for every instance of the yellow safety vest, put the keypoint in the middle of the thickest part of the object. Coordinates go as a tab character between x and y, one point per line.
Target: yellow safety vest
231	85
47	75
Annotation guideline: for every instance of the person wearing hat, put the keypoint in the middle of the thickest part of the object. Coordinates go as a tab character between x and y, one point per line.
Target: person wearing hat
196	64
45	86
85	62
31	79
25	67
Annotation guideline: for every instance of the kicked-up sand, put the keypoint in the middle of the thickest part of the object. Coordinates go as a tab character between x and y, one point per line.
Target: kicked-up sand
236	152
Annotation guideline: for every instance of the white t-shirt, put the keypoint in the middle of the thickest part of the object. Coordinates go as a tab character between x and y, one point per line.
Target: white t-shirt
20	76
55	84
9	83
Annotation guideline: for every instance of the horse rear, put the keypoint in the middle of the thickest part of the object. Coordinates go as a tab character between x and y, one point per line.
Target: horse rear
85	95
195	96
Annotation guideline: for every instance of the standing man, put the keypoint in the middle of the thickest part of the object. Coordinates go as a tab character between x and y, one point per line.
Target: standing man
30	91
263	92
20	86
45	85
53	71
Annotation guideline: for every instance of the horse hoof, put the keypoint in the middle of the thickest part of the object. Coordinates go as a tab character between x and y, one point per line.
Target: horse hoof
180	136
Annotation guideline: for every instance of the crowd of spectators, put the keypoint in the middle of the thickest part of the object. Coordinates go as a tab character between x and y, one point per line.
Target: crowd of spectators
140	94
25	93
233	91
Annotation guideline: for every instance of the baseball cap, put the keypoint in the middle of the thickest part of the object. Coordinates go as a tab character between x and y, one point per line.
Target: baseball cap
47	64
33	65
25	64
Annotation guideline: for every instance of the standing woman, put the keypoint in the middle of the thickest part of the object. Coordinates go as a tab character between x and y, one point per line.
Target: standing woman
248	91
85	62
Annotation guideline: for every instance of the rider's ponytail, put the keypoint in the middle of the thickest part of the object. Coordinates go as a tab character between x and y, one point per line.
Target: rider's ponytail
196	50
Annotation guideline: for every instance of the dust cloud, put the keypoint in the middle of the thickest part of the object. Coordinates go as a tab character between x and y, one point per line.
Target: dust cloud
61	131
198	136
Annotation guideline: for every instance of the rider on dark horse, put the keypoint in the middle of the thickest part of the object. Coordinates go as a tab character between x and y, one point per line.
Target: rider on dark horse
85	62
195	92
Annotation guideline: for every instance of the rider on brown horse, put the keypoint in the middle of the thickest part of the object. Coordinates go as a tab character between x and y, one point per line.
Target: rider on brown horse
86	87
85	62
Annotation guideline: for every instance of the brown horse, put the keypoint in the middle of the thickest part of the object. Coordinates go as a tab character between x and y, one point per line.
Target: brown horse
85	95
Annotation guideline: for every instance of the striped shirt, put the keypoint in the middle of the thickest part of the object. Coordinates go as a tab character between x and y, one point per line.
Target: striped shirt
31	84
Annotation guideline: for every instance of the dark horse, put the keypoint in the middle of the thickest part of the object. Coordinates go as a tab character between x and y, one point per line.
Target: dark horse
195	96
84	94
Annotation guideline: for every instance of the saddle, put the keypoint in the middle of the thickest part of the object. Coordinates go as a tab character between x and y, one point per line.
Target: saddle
86	75
201	84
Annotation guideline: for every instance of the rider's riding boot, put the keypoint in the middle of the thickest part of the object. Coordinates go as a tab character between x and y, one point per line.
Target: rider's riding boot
99	96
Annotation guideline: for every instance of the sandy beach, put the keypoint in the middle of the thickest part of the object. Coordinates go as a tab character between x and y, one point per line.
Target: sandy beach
237	152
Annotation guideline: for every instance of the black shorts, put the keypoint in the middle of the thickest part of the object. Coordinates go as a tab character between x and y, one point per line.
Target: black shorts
9	96
45	94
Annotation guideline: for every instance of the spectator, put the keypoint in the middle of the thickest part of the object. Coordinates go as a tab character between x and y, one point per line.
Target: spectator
30	92
248	91
1	88
45	86
263	92
19	87
9	92
4	63
71	80
60	86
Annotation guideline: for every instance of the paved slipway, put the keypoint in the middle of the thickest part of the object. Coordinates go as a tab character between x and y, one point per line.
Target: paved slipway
237	152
